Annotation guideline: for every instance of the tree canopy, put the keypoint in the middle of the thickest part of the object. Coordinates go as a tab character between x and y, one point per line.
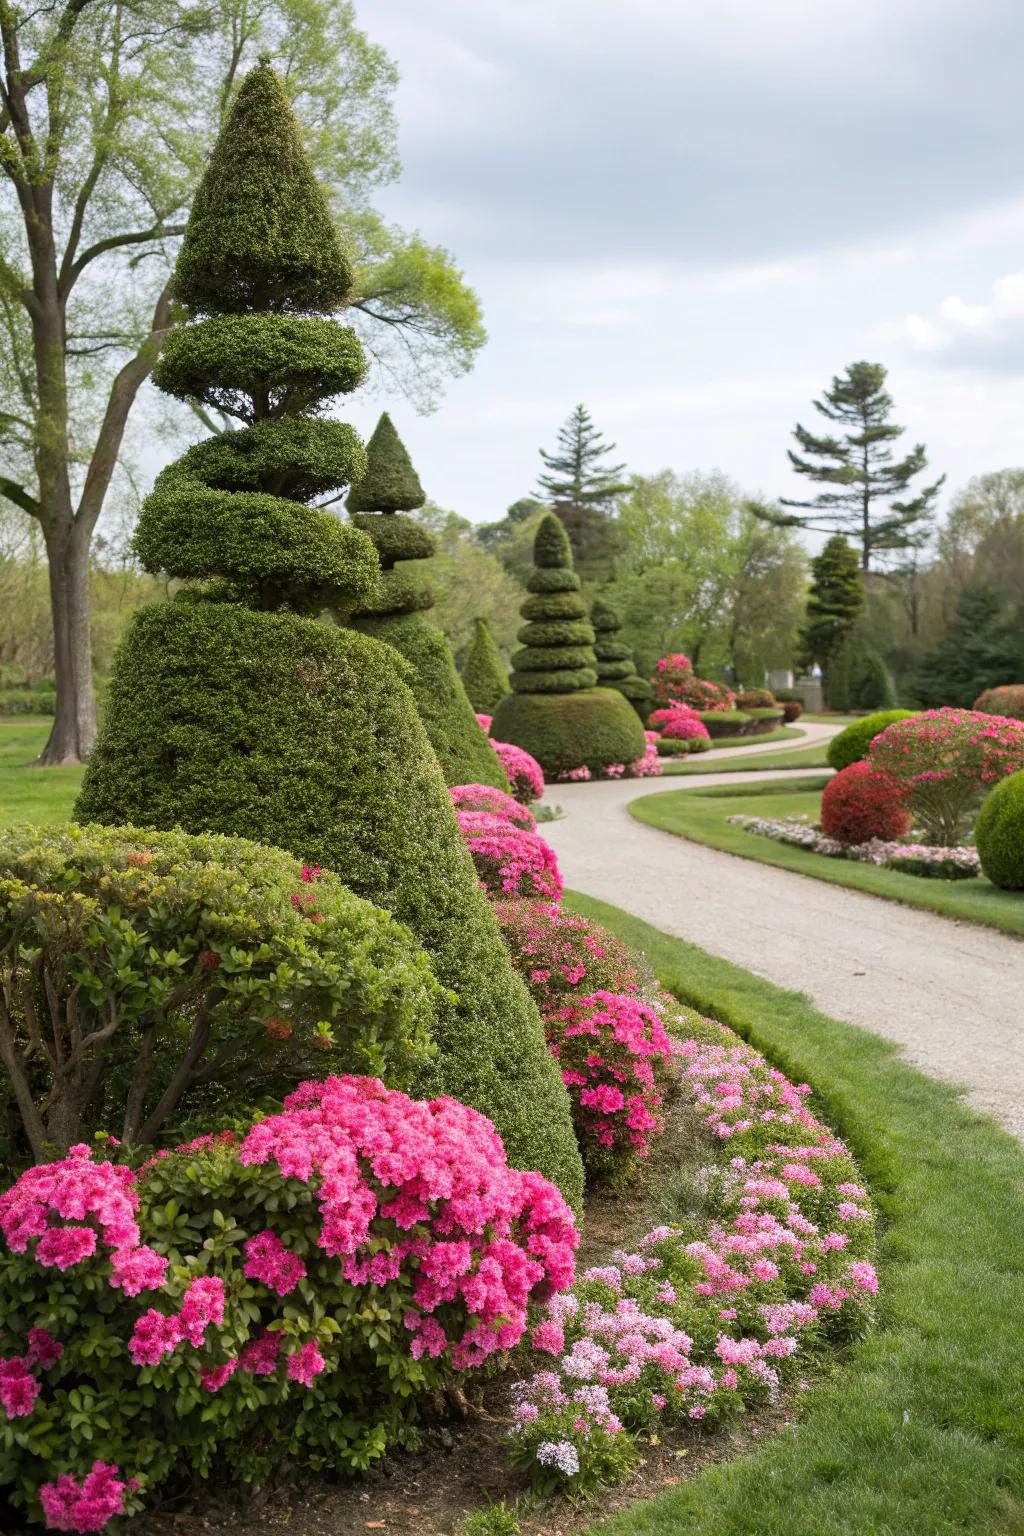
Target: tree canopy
580	486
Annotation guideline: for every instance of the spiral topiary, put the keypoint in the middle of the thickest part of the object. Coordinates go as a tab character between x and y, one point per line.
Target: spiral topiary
483	673
615	666
376	502
554	711
232	708
999	834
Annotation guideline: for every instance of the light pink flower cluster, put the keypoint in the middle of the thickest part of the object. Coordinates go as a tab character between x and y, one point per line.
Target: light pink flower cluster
70	1505
484	797
674	682
525	774
650	765
678	722
943	863
946	759
561	954
509	861
386	1167
614	1052
484	722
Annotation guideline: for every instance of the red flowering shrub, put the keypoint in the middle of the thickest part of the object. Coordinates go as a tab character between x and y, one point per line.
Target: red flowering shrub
509	861
1007	701
285	1296
861	803
561	955
615	1056
484	797
680	723
947	759
525	774
792	709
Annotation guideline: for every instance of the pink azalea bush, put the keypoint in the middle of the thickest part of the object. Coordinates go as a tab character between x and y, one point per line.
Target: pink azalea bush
484	722
674	682
484	797
946	760
284	1295
525	774
615	1056
701	1321
509	861
562	955
647	767
678	722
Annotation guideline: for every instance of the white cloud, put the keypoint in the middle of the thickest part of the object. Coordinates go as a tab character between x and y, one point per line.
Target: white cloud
963	332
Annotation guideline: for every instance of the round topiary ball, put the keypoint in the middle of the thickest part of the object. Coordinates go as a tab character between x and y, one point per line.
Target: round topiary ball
851	745
861	803
999	834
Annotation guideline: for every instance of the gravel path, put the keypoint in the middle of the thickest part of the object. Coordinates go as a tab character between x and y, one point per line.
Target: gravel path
951	994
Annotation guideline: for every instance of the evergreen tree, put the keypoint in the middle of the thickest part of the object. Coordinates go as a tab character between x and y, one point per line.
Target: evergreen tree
389	488
857	463
483	673
232	708
858	678
835	599
982	648
615	666
555	711
581	487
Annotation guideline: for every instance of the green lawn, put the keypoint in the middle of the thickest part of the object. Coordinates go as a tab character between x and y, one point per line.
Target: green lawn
812	756
920	1429
702	816
781	733
32	794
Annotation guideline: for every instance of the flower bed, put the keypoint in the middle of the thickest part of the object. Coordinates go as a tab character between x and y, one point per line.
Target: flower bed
716	1314
510	861
960	863
525	774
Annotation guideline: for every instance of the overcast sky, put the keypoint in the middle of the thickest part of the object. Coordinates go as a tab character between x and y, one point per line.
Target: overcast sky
690	214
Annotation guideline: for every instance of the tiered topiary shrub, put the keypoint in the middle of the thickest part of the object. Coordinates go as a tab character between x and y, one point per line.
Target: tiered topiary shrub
999	834
1007	700
851	745
615	666
555	712
484	676
395	613
232	708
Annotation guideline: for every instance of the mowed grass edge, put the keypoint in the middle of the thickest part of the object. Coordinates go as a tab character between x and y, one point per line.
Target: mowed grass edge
920	1431
701	815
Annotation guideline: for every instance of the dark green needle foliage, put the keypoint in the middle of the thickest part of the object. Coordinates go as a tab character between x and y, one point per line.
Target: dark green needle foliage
615	666
864	491
581	487
234	708
483	672
835	599
555	710
388	490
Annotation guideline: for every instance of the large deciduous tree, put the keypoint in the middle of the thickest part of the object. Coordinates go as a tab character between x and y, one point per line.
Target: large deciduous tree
581	487
865	491
105	109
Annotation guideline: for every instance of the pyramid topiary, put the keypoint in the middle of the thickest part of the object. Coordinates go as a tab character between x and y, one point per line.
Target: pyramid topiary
555	711
483	672
615	668
395	614
233	708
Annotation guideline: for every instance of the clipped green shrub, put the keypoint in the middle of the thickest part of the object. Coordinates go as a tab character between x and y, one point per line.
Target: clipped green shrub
999	833
615	666
172	974
740	722
484	676
858	678
376	502
554	711
851	744
248	718
755	698
1007	700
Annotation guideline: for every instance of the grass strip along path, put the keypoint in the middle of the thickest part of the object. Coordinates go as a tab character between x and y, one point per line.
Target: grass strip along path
702	815
920	1432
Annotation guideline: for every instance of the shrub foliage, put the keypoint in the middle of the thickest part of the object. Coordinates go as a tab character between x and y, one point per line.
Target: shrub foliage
615	665
852	743
483	673
861	803
947	759
1000	833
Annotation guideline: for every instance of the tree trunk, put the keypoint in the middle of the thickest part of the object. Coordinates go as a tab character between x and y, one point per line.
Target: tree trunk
73	734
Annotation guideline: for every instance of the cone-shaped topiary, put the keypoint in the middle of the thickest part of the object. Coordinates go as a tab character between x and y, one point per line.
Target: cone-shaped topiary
615	668
233	709
390	486
554	711
483	672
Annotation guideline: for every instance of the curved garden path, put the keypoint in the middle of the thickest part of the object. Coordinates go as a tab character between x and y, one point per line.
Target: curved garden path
951	994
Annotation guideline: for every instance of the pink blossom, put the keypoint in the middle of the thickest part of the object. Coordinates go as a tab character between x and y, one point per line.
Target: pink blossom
86	1506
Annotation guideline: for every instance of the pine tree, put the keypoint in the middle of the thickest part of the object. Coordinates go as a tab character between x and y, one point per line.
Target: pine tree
581	487
857	463
389	488
615	666
483	672
858	678
982	648
835	599
233	708
555	711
